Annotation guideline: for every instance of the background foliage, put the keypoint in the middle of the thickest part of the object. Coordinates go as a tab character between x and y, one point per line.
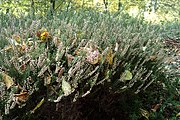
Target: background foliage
163	8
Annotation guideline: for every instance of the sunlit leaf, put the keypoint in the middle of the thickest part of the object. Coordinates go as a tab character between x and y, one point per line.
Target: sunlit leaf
144	48
116	47
127	75
144	113
66	87
45	37
7	80
38	105
39	32
178	115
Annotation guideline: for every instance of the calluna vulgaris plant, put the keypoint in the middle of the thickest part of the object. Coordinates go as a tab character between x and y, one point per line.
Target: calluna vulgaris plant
68	56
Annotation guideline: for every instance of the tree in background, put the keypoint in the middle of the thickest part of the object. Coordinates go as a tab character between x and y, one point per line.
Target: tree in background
119	4
43	7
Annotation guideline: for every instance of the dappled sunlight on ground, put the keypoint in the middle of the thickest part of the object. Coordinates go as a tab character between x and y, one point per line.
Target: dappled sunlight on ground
153	17
133	11
157	18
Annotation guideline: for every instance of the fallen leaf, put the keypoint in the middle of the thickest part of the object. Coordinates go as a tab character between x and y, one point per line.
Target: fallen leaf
70	58
156	107
38	34
17	38
178	115
126	75
144	113
45	37
78	51
61	72
153	58
22	97
47	80
23	47
66	87
7	80
110	56
93	56
38	105
23	67
178	106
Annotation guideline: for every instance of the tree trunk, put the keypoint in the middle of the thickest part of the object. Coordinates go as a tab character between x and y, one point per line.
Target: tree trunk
32	6
52	6
69	3
105	4
154	5
119	5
